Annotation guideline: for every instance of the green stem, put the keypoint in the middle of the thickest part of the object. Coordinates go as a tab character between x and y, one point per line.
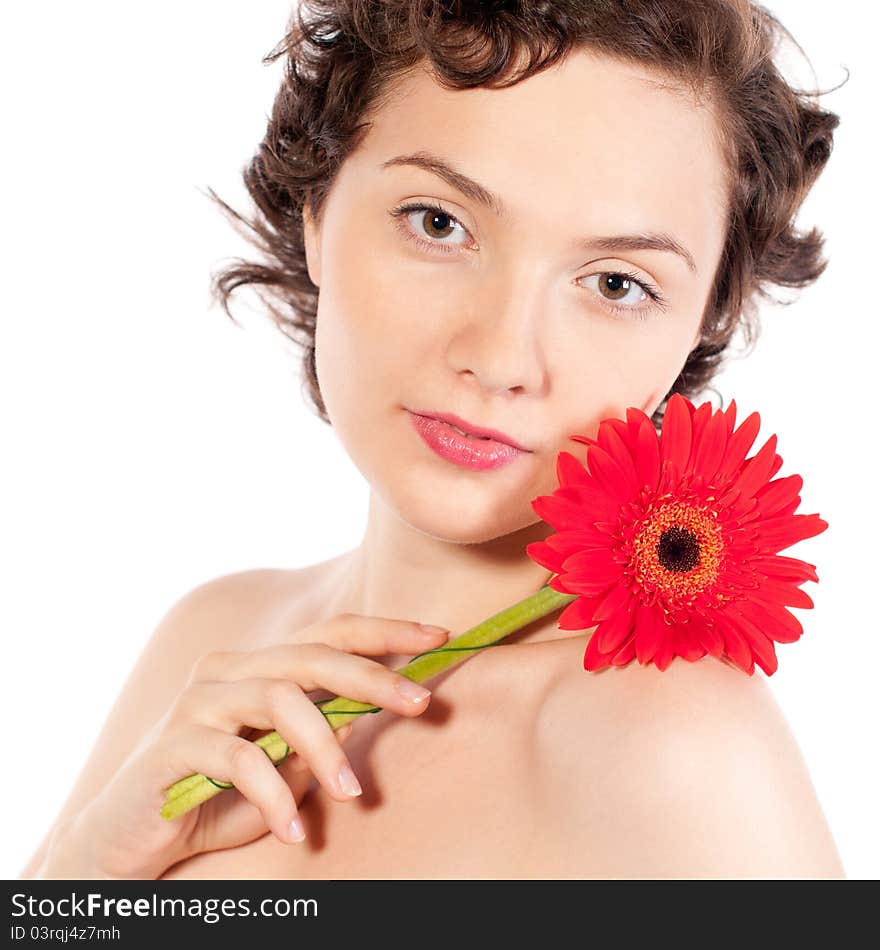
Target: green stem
191	791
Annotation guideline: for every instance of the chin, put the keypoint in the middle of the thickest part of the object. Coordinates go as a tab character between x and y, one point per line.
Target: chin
447	519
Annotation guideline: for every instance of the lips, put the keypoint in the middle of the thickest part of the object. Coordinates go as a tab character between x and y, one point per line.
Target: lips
470	429
478	453
472	434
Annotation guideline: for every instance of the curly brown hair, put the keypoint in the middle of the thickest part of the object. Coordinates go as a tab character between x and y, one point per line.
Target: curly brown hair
342	56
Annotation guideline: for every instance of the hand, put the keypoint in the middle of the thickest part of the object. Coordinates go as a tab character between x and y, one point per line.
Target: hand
121	833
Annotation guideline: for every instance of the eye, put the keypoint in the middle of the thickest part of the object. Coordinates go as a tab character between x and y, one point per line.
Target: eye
624	292
417	220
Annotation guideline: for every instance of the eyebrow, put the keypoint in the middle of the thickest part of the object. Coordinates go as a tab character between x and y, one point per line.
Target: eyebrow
643	241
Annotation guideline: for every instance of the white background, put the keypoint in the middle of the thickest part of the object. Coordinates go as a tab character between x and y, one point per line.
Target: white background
150	445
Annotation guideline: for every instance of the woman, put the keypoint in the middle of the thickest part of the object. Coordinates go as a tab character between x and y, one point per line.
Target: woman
522	217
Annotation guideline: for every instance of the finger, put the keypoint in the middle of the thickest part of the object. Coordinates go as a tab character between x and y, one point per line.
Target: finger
232	705
343	732
230	759
305	728
373	636
295	765
226	705
319	666
275	704
353	633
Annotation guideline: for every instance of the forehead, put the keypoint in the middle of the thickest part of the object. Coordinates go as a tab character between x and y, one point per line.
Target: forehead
591	136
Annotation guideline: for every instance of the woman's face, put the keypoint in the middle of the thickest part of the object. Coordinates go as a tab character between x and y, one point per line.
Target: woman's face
538	315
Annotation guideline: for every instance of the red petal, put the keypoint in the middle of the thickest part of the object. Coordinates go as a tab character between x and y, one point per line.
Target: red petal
625	654
688	642
710	449
569	470
771	619
781	532
735	645
648	457
541	553
737	447
665	652
596	503
727	498
559	512
580	539
698	426
594	561
675	435
610	476
785	568
578	615
558	584
775	495
783	594
614	631
790	508
636	420
757	470
762	648
617	614
584	582
730	417
593	659
650	631
607	428
711	640
763	651
617	600
618	450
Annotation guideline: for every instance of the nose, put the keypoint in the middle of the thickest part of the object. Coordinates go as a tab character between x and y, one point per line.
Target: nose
497	339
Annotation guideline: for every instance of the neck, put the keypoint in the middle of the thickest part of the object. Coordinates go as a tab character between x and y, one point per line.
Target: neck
401	573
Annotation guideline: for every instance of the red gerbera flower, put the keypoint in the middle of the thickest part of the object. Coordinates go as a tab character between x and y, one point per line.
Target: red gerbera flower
672	543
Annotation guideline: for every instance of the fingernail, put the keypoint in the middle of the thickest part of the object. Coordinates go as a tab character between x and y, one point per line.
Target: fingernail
430	628
297	833
412	691
348	781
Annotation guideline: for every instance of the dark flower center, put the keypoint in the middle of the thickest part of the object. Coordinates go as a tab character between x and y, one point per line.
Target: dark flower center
678	550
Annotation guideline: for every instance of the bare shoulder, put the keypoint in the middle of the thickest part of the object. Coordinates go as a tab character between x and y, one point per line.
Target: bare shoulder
221	613
692	772
224	613
243	610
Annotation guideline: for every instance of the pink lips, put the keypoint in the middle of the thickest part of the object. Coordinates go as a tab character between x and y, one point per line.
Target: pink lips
476	453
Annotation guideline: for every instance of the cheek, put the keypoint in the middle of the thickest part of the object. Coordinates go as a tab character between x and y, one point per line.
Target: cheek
619	353
375	291
367	335
614	368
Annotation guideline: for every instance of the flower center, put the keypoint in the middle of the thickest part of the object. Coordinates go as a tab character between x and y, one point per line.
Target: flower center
678	549
677	553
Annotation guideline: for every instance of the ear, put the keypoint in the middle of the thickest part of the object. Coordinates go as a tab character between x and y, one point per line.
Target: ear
312	241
